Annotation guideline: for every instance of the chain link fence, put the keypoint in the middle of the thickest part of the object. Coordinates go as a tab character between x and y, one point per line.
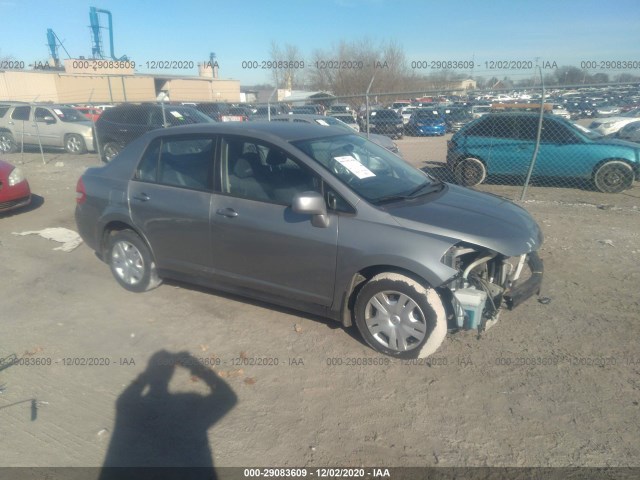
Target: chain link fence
504	141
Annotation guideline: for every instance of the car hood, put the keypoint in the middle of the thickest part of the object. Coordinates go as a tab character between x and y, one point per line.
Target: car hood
616	119
381	140
5	169
617	142
478	218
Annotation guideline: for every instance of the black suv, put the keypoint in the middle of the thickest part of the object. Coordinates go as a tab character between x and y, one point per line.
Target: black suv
122	124
386	122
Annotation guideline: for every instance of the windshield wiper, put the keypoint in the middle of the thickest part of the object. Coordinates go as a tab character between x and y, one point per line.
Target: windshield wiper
423	189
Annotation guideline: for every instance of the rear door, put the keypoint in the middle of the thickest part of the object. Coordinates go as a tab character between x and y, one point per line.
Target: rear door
170	197
21	125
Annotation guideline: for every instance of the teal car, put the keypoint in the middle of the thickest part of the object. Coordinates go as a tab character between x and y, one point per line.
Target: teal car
503	144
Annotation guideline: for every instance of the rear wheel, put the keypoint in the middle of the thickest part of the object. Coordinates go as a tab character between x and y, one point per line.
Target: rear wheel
110	150
613	177
400	317
131	262
74	144
469	172
7	143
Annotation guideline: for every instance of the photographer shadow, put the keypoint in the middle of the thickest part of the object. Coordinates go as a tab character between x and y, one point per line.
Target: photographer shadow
163	431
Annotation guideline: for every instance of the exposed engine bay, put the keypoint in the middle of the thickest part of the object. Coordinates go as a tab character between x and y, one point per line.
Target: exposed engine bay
486	282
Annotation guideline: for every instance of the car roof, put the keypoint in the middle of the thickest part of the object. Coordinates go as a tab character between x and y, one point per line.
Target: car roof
287	131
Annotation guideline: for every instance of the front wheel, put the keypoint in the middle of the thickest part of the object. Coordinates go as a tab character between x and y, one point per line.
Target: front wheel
74	144
613	177
131	262
398	316
469	172
7	143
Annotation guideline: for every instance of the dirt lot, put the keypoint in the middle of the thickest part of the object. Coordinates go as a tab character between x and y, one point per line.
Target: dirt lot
552	384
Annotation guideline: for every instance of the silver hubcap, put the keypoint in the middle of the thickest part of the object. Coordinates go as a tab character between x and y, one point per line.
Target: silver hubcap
5	143
395	320
613	178
73	144
127	262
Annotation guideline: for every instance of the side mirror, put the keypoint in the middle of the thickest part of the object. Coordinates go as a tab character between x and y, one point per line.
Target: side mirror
311	203
47	119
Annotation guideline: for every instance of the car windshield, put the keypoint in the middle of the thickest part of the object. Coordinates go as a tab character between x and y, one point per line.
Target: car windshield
185	116
371	171
345	118
459	115
69	114
385	114
333	122
427	113
587	132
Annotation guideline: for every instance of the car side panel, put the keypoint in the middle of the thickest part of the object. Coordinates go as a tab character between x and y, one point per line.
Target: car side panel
367	243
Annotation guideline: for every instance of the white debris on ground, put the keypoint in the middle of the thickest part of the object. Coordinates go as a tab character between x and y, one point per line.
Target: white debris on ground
70	240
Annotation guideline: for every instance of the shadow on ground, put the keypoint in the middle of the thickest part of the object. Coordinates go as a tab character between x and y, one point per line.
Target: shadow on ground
155	428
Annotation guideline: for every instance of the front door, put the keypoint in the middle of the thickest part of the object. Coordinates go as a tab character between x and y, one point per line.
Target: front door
257	241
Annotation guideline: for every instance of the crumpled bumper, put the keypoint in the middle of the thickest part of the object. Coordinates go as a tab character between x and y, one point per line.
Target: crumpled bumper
521	291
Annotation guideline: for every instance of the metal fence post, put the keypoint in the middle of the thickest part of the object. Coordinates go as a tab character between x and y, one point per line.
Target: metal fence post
537	147
367	103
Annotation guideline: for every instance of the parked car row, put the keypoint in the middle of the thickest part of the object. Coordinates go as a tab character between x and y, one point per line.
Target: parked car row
46	125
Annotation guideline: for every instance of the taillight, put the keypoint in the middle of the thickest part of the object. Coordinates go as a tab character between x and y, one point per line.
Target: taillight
81	193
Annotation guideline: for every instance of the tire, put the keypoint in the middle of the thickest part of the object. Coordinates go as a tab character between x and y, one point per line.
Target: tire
7	143
74	144
390	304
613	176
469	172
110	150
131	262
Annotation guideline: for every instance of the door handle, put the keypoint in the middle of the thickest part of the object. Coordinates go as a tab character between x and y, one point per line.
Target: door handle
143	197
227	212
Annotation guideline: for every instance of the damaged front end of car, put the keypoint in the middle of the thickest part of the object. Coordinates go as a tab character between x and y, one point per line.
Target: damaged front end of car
486	282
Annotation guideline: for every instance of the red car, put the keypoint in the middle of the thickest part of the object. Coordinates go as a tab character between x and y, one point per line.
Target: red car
91	113
14	188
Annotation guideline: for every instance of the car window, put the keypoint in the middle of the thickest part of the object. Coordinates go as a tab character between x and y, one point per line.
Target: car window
556	132
41	113
68	114
527	128
148	166
3	110
482	127
262	172
21	113
179	162
504	126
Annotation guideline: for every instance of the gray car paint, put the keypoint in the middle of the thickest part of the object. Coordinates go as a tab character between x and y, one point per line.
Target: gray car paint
297	268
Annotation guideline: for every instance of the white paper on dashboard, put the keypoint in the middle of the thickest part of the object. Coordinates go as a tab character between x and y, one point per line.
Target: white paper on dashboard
354	166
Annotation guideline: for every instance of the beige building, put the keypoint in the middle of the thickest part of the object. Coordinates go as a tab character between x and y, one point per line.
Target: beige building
107	86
